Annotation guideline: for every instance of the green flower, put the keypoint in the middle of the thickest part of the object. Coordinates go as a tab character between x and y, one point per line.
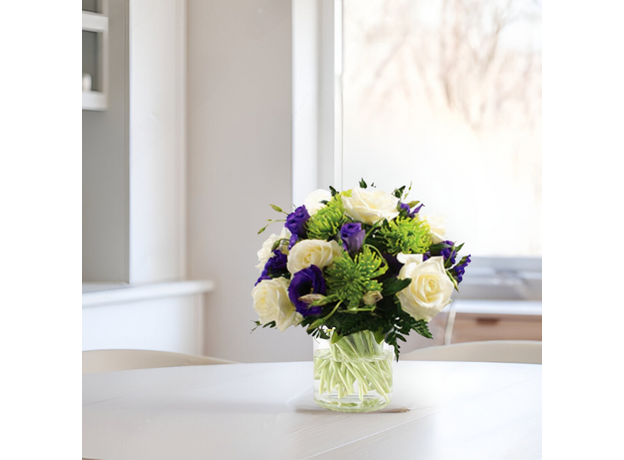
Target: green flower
406	235
326	222
349	279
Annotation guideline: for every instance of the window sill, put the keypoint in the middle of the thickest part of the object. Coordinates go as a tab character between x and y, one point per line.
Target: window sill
96	294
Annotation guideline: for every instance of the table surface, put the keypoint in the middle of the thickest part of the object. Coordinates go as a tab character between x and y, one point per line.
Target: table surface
454	410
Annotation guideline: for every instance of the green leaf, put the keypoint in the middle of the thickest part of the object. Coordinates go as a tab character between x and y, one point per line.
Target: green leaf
450	275
379	335
258	324
438	247
394	285
422	328
362	183
335	337
398	192
333	191
315	324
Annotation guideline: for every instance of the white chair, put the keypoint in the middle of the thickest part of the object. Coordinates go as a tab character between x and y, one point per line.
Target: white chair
492	351
95	361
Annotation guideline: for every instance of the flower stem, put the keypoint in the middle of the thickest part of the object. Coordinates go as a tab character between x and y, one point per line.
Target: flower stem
355	359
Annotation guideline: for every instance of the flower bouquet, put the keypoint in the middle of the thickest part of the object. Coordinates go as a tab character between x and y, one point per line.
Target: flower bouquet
359	269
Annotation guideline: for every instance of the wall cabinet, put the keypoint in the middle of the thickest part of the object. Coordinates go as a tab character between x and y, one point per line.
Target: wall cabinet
94	54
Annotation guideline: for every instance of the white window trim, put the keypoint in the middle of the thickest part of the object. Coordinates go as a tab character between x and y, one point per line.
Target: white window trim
318	142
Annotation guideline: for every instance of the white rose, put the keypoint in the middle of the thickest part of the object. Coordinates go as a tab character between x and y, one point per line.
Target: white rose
271	302
313	200
265	253
437	225
430	290
312	252
370	206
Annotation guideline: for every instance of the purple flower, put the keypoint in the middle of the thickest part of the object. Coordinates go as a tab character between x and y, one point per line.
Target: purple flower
394	266
445	249
460	269
307	281
352	236
293	240
296	220
274	267
410	213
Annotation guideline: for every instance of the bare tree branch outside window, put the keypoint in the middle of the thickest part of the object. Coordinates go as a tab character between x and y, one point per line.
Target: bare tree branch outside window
453	81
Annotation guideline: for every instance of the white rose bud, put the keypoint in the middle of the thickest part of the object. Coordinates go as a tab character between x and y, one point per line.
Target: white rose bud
430	289
265	253
437	225
370	206
372	297
313	200
312	252
271	302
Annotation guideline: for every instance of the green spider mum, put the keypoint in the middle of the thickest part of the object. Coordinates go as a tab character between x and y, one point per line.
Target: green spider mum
327	221
406	235
349	279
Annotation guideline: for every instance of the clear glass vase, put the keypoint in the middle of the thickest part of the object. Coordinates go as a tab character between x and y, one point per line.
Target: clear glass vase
354	374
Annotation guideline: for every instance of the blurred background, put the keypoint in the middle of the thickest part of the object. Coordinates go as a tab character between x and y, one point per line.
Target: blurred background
199	113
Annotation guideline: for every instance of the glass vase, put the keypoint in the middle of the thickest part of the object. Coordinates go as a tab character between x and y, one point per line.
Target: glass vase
354	374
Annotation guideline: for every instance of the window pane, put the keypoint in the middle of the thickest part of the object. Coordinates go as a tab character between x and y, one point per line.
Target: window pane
447	95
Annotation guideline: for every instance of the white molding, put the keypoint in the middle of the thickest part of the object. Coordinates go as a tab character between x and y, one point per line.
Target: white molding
123	293
94	22
305	97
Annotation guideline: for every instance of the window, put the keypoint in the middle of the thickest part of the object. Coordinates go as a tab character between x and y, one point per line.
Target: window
445	94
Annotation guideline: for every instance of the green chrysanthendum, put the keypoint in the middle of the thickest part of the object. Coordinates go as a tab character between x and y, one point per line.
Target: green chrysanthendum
406	235
327	221
349	279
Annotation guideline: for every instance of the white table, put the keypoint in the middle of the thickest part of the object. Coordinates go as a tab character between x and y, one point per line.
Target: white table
457	410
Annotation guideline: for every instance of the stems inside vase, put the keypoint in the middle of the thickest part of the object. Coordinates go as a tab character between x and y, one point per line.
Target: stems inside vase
356	364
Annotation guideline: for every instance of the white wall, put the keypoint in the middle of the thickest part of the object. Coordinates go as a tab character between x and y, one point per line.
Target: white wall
239	161
169	324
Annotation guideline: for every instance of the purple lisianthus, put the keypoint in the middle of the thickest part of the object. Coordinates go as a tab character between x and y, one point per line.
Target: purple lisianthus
352	236
307	281
296	220
274	267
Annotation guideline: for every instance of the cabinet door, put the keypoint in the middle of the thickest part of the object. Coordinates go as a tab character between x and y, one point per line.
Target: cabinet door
470	327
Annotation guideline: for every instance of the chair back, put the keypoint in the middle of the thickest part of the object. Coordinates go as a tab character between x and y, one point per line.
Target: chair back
493	351
95	361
